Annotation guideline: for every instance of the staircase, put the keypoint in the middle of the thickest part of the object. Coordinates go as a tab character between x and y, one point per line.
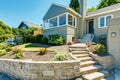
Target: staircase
89	68
86	38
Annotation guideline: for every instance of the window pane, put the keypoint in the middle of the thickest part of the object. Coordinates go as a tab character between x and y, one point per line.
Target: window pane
102	20
107	19
46	24
74	21
62	20
70	20
53	22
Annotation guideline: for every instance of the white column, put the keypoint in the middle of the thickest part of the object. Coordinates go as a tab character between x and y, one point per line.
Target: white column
66	18
57	21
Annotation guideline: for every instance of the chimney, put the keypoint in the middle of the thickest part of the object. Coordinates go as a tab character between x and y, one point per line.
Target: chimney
83	8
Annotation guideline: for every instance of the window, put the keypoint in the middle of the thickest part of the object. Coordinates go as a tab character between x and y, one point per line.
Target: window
53	22
71	20
103	21
62	19
46	24
107	19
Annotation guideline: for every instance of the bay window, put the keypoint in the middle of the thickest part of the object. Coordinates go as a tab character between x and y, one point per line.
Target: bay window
60	20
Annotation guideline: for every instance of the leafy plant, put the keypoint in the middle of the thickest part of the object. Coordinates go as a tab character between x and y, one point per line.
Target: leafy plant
3	52
44	40
100	49
60	57
56	40
103	40
19	55
16	50
42	51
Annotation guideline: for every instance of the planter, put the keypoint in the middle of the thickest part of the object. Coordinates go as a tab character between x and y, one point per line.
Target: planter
106	61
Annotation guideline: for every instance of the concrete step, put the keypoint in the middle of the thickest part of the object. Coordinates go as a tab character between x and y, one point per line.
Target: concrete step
87	63
81	55
81	45
78	49
96	75
79	52
90	69
85	59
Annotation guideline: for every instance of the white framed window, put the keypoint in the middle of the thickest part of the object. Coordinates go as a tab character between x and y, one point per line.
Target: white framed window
103	21
53	22
62	20
71	20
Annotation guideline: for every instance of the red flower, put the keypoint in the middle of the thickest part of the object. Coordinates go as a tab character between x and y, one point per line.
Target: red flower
69	43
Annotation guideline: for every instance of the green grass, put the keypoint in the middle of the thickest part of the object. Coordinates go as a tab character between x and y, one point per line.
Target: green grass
30	46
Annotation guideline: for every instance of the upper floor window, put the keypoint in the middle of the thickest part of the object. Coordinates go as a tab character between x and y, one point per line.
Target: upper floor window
53	22
62	19
103	21
71	20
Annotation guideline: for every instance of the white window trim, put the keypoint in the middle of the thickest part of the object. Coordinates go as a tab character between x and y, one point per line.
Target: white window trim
104	21
72	21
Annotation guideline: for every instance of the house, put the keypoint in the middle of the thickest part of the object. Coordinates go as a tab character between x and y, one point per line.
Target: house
27	25
71	25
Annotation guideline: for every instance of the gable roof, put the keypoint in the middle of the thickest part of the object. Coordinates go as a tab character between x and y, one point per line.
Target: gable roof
105	10
30	25
62	7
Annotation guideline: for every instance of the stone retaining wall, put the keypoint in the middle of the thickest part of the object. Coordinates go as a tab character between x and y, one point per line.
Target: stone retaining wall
30	70
106	61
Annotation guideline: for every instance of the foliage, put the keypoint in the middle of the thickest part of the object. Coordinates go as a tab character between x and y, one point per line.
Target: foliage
103	40
60	57
74	4
91	9
5	32
7	48
44	40
3	52
42	51
100	49
105	3
56	40
16	50
19	55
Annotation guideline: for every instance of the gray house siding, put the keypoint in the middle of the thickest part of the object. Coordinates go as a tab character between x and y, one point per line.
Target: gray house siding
58	30
54	11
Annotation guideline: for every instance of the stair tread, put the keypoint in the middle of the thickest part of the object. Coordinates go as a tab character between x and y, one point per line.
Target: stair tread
90	68
80	52
80	55
95	75
87	62
83	45
84	58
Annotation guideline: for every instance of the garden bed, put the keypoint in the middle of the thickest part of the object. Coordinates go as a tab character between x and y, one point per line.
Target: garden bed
32	55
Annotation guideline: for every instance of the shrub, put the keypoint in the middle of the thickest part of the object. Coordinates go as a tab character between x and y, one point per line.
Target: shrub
44	40
56	40
16	50
1	47
19	55
100	49
69	43
60	57
103	39
3	52
42	51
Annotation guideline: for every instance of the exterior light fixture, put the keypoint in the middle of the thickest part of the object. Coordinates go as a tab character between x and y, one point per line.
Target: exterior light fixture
113	34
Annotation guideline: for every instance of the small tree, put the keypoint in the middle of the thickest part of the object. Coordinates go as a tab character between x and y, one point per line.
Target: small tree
93	8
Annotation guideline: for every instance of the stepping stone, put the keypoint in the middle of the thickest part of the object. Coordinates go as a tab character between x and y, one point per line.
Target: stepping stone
87	63
96	75
90	69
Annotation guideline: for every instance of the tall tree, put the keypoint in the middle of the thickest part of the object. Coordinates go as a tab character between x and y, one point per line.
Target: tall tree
5	31
105	3
93	8
75	5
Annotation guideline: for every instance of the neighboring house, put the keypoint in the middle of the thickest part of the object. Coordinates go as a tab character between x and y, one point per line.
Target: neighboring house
26	25
71	25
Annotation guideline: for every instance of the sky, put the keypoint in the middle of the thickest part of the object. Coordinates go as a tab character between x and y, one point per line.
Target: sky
12	12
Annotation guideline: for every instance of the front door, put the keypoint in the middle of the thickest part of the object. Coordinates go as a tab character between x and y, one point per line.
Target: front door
91	27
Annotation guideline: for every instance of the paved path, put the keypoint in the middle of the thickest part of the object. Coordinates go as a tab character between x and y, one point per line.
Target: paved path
6	77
